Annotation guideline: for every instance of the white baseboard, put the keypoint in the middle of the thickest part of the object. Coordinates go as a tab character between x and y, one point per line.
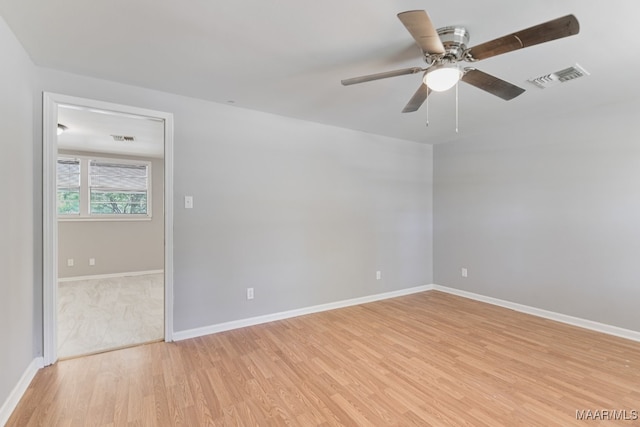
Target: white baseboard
227	326
558	317
18	391
109	276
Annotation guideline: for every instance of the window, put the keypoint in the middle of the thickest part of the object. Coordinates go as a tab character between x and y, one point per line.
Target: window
117	188
68	186
97	188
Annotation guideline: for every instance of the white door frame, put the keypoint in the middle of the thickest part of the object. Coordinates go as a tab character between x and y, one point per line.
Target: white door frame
50	103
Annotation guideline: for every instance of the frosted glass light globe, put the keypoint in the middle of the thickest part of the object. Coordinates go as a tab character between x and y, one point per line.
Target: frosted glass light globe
442	79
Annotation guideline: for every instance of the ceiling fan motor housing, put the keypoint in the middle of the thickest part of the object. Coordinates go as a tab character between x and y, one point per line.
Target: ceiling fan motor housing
454	40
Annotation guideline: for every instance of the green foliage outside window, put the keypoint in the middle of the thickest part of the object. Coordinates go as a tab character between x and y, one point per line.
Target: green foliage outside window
68	201
105	203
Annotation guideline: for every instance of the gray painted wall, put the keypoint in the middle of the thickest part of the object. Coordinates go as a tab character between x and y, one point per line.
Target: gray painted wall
117	246
304	213
16	216
545	214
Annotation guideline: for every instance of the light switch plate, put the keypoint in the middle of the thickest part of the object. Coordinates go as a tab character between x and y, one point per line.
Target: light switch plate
188	202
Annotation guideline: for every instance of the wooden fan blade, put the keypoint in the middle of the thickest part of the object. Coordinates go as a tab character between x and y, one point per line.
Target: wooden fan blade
548	31
421	28
417	99
491	84
378	76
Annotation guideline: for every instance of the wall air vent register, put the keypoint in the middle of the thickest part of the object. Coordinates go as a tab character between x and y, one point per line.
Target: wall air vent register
123	138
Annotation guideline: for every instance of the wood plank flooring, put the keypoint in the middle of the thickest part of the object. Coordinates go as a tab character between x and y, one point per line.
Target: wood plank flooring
424	359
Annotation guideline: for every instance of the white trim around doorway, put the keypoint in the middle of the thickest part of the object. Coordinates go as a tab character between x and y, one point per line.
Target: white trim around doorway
50	103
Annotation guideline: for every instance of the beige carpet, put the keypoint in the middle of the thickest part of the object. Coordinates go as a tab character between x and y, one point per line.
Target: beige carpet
103	314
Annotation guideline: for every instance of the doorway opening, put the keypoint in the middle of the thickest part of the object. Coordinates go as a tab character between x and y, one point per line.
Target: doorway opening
107	172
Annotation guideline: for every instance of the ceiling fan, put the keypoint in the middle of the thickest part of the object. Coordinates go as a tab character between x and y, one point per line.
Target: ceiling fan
445	47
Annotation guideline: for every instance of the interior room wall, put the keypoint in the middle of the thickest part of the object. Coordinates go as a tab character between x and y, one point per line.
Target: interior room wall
302	212
545	214
117	246
17	75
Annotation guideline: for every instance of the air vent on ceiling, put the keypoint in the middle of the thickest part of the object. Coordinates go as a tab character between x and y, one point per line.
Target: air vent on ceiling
123	138
558	77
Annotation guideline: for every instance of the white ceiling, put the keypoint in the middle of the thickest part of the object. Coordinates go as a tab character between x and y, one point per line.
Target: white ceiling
92	130
288	56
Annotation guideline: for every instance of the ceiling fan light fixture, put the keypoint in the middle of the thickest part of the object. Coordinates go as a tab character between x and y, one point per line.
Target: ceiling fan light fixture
443	78
444	48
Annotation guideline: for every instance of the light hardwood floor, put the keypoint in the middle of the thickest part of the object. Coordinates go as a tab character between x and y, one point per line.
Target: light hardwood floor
424	359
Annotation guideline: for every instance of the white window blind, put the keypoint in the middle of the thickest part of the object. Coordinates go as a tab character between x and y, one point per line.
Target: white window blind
118	188
68	186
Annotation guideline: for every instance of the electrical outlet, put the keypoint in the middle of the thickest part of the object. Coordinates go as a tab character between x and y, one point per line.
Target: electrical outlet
464	272
249	293
92	261
378	275
70	262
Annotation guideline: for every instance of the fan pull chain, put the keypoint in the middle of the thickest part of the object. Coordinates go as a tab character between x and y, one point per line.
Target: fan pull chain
457	107
427	110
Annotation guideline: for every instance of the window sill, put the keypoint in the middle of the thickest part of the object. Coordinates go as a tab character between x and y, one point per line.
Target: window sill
104	218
